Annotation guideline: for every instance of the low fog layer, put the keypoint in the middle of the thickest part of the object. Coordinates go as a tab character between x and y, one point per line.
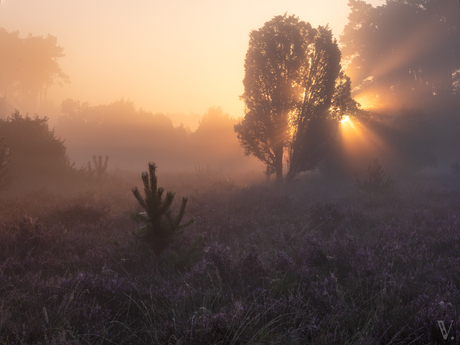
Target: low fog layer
131	138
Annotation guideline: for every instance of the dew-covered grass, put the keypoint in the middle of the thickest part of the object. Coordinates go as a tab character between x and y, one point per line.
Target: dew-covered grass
314	262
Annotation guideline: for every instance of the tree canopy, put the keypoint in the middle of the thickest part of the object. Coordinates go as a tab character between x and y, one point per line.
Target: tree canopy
295	93
273	70
326	98
28	67
405	52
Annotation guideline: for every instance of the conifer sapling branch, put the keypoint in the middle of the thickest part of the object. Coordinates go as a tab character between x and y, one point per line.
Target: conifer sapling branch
161	227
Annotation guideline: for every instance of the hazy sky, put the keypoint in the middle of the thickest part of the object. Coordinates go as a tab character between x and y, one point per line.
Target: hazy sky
165	56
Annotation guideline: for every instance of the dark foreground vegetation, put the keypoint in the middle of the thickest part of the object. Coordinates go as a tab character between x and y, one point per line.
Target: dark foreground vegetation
314	262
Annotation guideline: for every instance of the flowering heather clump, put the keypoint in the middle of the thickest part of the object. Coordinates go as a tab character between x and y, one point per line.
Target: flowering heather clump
285	279
251	269
78	213
325	217
221	257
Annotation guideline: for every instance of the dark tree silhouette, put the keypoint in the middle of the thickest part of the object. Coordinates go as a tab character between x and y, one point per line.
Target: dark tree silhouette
405	52
295	93
273	69
326	97
28	67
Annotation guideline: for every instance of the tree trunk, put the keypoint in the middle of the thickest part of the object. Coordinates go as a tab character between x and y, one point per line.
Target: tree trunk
290	175
292	171
279	163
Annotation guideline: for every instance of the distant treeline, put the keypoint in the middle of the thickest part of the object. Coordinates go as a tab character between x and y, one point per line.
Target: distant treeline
131	137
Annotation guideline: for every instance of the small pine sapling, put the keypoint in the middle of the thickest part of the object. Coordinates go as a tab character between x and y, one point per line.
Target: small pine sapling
161	227
376	184
5	170
99	167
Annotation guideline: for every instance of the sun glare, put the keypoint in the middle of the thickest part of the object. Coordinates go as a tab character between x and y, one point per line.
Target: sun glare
350	133
368	101
346	120
358	141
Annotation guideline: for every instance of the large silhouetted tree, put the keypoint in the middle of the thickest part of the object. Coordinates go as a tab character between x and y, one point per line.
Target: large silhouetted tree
405	52
28	67
272	87
326	97
294	94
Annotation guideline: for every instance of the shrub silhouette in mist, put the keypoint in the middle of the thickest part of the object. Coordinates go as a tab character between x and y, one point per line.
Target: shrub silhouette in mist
36	149
376	184
161	227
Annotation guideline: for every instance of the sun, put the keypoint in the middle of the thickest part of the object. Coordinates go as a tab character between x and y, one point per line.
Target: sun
345	120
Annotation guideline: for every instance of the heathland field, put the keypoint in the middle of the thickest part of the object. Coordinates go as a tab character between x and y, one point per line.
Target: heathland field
313	262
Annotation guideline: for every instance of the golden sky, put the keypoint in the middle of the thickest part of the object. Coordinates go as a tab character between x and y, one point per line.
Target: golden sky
164	55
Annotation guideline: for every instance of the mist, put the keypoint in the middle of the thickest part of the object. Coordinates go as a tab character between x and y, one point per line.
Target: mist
138	146
132	137
405	75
